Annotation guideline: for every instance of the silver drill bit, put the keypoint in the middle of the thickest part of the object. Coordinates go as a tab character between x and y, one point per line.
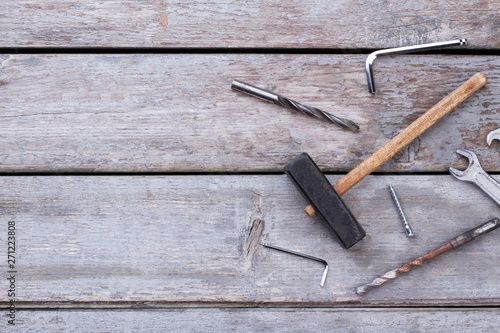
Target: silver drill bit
325	272
403	50
452	244
293	105
409	232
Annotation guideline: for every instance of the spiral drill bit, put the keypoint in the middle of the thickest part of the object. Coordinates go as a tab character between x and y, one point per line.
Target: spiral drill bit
452	244
293	105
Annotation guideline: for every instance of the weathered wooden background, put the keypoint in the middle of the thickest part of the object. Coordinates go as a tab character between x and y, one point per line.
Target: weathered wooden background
142	186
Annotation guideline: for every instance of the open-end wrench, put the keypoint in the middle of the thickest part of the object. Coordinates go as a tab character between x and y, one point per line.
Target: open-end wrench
475	174
492	136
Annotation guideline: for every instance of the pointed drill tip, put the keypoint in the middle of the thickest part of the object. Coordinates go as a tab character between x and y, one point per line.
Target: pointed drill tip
344	123
353	126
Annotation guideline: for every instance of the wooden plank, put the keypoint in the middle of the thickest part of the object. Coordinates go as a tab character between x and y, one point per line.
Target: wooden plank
283	24
177	113
259	320
174	241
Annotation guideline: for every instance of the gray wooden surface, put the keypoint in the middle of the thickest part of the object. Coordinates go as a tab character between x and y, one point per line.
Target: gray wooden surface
143	187
122	113
348	24
117	241
262	320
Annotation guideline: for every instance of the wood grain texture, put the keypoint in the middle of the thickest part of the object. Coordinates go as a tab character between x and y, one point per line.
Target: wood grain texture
177	113
410	133
188	241
259	320
233	24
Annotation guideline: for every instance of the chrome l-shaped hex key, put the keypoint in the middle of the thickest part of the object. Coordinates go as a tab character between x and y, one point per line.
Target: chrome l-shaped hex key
403	50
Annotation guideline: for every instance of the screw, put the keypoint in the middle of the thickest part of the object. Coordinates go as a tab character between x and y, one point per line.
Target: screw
409	232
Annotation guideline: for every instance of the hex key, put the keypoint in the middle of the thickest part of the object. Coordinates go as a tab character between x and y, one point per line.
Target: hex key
325	272
403	50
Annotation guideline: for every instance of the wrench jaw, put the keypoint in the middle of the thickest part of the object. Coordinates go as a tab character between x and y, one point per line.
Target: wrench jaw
470	155
472	168
459	174
492	136
475	174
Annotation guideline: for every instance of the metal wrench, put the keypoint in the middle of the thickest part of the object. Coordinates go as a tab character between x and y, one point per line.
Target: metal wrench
475	174
492	136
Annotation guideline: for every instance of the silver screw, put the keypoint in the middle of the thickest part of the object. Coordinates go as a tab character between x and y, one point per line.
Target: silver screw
409	232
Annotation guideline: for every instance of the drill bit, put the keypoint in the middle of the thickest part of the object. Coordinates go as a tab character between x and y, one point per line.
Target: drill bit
452	244
293	105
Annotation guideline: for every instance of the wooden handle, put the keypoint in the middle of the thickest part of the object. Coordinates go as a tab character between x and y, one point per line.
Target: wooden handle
409	134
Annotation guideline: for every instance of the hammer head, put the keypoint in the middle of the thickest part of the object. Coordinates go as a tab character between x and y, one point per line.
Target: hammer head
328	205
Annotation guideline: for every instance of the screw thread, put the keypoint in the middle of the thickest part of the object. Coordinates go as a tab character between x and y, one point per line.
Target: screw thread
408	230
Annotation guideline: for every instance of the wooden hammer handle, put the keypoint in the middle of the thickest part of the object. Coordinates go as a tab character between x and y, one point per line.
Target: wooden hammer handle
409	134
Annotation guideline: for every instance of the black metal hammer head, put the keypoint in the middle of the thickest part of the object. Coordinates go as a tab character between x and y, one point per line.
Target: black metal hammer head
328	205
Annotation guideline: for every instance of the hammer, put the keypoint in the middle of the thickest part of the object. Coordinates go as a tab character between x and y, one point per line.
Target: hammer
325	200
